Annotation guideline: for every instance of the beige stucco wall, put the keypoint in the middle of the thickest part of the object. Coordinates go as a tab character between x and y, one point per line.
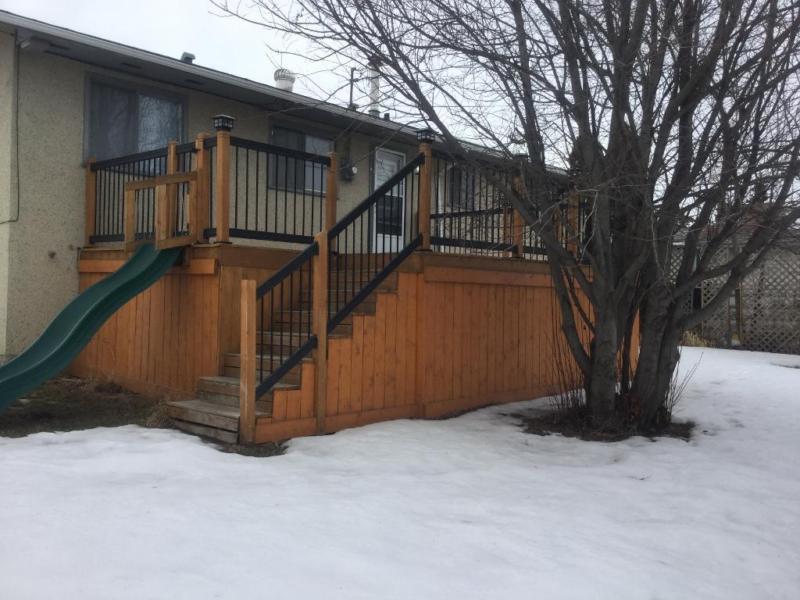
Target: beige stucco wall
38	275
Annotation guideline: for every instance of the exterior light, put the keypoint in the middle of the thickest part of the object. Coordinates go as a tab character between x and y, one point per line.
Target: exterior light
425	136
223	122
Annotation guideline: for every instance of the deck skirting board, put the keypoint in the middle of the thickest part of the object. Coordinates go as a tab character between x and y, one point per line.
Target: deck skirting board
444	335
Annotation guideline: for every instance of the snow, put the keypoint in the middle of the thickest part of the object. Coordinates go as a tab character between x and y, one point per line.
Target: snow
466	508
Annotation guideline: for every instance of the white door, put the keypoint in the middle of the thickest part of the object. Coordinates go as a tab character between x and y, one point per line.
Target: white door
389	222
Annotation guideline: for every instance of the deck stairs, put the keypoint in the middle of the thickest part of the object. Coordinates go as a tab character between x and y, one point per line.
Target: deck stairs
214	413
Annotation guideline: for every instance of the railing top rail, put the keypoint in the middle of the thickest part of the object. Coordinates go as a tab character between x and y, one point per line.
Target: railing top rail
186	147
495	210
485	162
129	158
271	148
287	269
151	182
373	197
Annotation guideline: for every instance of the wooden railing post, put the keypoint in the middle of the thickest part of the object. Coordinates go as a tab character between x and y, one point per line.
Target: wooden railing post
172	190
91	200
508	230
518	240
425	185
222	184
129	215
517	237
172	157
331	192
163	214
319	327
571	223
247	364
202	216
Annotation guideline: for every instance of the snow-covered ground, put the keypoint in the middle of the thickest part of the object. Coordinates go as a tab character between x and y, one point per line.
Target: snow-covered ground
465	508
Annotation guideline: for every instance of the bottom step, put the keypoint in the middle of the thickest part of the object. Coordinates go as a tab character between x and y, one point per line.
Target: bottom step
229	437
208	419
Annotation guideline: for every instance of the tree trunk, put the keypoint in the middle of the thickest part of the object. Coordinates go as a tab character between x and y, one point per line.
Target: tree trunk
601	383
658	358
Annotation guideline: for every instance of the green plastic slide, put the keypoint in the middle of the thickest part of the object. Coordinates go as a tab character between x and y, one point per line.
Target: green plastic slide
75	325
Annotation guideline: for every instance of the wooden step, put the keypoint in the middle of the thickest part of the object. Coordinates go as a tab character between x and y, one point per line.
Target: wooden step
231	363
277	342
210	419
221	435
203	412
367	306
225	390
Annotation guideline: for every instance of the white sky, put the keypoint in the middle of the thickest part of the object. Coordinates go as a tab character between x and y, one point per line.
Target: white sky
170	28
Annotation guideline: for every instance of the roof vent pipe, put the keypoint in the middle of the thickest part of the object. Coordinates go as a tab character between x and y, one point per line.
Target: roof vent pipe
284	80
188	58
374	87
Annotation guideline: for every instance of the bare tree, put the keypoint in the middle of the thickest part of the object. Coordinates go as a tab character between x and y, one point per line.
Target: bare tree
678	118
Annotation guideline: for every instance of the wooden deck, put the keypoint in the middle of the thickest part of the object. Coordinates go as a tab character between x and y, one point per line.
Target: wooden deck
433	334
442	334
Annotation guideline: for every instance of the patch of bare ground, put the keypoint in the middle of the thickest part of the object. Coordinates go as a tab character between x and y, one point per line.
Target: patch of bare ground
71	404
575	424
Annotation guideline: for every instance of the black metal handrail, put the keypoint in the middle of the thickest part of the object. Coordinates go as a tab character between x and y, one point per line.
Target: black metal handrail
372	240
285	334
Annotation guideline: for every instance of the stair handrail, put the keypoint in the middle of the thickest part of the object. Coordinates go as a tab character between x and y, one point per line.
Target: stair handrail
358	230
314	267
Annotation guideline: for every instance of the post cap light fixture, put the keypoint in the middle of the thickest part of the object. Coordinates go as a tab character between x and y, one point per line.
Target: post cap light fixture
223	122
425	136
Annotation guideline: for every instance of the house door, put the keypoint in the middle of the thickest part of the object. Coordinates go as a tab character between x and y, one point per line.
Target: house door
389	222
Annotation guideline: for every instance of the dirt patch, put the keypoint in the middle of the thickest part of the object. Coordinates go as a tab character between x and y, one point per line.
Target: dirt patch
72	404
69	404
570	426
260	451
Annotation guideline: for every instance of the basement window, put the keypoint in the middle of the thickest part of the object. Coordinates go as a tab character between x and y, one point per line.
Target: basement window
297	174
124	120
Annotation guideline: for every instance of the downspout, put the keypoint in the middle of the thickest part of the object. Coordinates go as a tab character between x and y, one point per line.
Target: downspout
14	185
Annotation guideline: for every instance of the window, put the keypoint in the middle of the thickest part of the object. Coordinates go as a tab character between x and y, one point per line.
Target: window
125	121
298	174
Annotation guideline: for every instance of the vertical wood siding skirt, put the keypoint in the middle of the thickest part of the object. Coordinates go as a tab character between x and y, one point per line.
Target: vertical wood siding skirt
444	339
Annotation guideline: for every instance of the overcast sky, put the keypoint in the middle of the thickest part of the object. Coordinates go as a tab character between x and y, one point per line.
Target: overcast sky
170	28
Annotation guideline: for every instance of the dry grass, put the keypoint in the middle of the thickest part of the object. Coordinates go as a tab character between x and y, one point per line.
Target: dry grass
69	404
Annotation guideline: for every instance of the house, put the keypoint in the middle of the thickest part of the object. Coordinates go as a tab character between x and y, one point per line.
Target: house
277	265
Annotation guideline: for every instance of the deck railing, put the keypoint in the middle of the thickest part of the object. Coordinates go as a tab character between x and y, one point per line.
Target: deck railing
248	190
276	193
472	214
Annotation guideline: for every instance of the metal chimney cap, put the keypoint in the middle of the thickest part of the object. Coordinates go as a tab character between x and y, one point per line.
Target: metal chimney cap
284	79
188	57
